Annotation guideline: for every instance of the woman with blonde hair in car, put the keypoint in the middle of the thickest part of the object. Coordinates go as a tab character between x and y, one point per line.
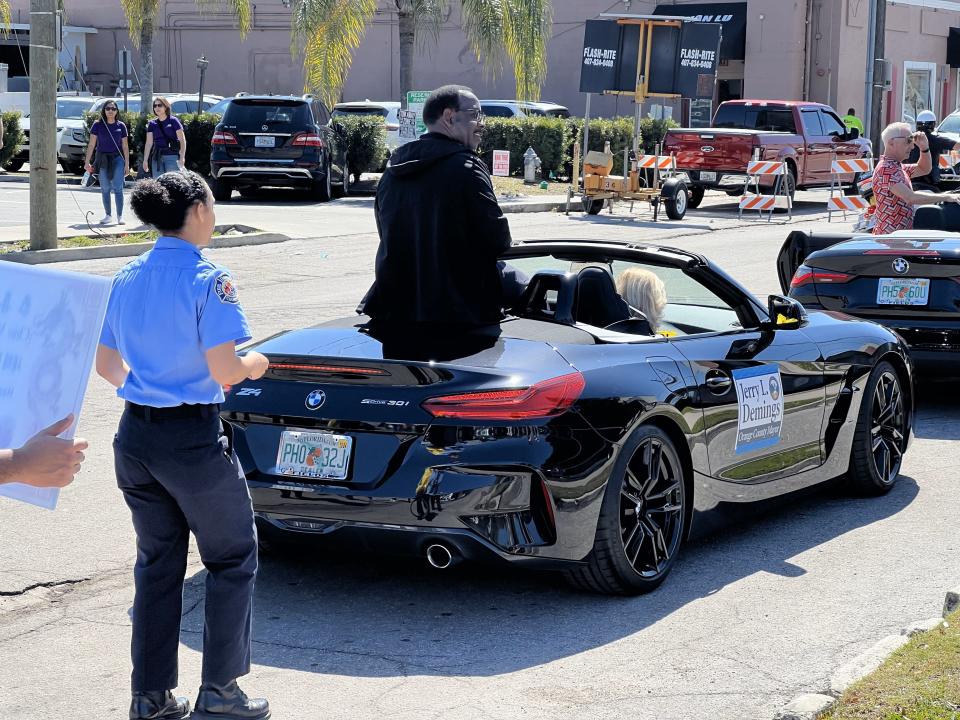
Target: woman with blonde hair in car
644	291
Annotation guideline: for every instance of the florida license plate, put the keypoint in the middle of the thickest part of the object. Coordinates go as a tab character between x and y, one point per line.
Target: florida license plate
314	455
707	176
264	141
903	291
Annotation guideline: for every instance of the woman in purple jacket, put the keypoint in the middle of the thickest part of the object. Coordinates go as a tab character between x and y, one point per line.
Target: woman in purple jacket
108	137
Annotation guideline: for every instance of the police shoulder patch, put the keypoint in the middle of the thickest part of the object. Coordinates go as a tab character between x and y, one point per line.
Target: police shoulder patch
226	289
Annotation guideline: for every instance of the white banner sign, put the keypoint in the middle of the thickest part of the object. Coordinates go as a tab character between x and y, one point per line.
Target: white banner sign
408	124
49	329
501	163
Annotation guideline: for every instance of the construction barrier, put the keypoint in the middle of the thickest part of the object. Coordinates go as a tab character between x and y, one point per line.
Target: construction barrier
852	203
948	161
837	202
753	198
660	162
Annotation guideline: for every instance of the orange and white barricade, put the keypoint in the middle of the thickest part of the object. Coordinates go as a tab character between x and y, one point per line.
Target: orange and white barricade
663	163
753	197
862	171
948	163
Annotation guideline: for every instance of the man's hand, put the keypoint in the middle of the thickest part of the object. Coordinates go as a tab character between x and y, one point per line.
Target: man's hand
922	142
258	365
46	460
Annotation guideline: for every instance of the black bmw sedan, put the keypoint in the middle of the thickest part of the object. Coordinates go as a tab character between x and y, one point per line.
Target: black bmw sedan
581	433
908	281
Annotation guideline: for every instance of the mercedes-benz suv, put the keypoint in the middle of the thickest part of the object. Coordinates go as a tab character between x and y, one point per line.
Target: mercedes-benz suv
278	141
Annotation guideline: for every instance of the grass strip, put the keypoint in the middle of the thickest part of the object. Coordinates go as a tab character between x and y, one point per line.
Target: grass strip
507	187
920	681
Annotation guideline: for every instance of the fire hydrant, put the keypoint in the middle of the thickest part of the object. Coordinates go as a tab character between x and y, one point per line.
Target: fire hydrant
531	166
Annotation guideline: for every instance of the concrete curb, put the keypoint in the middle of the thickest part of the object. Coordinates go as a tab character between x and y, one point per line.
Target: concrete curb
97	252
531	206
70	180
811	706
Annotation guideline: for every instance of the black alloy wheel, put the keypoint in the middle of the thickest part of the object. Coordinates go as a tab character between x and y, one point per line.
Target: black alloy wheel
343	190
642	521
322	190
881	435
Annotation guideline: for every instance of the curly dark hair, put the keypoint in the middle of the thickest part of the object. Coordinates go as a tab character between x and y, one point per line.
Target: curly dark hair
164	202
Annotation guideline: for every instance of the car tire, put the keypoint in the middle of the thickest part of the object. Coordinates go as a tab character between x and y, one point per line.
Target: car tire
633	554
13	165
322	190
591	206
696	197
880	437
222	191
676	204
343	189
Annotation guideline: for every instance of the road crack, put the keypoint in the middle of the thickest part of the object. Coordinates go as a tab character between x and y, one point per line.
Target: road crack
36	586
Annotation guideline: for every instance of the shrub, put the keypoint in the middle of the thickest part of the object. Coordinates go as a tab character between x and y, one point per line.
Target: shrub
550	138
198	130
366	142
13	136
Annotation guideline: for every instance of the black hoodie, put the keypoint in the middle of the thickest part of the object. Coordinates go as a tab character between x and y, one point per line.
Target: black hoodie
441	232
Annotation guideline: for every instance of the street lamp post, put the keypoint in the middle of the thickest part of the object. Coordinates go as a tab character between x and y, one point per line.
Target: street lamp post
202	63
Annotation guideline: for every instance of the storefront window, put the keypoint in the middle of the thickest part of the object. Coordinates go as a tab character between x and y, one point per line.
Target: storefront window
918	89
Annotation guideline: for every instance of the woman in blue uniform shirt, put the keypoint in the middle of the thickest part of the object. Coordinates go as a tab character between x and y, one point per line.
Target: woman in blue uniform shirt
168	344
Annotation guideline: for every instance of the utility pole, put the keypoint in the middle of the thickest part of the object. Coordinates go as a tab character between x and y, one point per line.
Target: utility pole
876	117
868	81
43	124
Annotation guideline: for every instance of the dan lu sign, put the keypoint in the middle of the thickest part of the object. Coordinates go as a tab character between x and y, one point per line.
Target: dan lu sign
501	163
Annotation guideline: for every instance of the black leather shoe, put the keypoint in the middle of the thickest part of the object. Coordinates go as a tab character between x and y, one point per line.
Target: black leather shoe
158	705
229	703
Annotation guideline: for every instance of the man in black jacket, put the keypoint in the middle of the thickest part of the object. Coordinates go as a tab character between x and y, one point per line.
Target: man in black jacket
441	229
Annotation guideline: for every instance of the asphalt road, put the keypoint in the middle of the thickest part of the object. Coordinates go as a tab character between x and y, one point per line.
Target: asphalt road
749	618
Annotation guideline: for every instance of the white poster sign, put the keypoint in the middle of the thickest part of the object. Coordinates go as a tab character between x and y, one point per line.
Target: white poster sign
408	124
49	328
501	163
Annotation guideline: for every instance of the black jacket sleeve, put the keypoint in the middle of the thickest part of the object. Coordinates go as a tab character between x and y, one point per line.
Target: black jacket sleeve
485	218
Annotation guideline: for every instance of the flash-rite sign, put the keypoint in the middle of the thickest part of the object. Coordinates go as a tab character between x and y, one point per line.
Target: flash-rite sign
759	407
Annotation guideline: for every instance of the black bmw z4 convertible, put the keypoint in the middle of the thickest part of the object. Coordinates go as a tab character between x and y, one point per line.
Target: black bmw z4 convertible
578	434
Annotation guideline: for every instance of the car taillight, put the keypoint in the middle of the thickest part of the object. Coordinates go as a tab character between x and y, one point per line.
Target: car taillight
329	369
307	140
222	137
910	252
543	399
807	275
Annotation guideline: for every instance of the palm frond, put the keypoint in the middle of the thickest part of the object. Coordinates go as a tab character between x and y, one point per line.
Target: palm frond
428	19
526	27
138	13
327	32
6	18
242	10
483	22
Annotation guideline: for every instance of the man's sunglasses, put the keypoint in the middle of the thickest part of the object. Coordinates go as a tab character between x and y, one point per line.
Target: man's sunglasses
476	114
909	138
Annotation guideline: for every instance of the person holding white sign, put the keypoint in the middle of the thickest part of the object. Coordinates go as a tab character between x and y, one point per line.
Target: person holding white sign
45	460
169	345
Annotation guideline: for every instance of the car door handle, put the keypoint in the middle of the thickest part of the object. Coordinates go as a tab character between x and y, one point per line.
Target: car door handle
718	384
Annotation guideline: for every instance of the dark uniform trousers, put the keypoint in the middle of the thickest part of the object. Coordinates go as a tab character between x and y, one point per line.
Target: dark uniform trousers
179	476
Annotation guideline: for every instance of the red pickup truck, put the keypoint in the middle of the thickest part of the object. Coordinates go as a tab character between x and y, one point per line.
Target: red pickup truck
808	136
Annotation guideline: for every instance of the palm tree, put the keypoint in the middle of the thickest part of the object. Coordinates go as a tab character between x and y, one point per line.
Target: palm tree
328	31
141	14
6	18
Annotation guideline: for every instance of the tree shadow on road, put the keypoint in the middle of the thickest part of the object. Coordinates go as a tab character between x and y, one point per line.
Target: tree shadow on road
340	612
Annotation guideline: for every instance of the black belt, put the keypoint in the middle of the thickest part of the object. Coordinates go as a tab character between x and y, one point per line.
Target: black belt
179	412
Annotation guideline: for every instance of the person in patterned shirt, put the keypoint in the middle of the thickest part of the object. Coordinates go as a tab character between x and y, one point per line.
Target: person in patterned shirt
892	188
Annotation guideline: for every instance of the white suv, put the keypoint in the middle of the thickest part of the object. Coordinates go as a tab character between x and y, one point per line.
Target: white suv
516	108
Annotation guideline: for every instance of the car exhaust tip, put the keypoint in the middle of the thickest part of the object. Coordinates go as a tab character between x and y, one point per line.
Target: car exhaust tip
440	556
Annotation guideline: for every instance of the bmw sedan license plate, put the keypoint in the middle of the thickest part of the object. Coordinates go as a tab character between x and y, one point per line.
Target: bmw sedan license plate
264	141
314	455
707	176
903	291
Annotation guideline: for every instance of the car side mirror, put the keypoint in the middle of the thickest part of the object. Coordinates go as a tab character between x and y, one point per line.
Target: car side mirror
785	313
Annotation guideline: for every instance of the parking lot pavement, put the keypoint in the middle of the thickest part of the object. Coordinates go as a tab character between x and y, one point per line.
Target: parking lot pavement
750	617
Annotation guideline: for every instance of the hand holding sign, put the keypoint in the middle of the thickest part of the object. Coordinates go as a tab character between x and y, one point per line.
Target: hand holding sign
45	460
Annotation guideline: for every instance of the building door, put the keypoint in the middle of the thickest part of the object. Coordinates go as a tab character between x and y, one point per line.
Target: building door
919	89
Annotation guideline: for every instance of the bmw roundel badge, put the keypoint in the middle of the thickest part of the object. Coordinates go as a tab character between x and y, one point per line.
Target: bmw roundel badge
315	399
901	266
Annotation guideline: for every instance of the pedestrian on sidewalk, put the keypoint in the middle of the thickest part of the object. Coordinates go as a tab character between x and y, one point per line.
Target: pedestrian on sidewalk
169	345
166	145
108	138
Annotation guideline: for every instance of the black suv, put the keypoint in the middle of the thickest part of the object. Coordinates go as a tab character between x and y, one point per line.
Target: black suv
278	141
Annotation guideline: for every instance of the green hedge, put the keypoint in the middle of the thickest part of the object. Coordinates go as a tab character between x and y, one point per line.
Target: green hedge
197	128
552	139
13	136
366	142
